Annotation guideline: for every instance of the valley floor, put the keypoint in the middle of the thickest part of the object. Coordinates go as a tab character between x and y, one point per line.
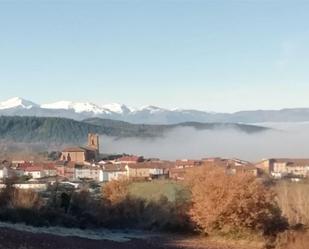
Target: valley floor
13	239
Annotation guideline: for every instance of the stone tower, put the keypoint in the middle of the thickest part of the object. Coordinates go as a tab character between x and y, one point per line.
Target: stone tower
93	141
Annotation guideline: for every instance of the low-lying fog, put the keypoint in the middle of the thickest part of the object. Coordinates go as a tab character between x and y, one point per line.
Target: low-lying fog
284	140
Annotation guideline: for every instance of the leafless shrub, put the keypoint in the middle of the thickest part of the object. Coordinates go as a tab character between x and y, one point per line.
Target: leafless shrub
24	199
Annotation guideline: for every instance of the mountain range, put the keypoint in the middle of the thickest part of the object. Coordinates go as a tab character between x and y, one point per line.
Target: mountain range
146	115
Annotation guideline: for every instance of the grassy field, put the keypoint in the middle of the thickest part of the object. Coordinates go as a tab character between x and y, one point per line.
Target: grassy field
155	189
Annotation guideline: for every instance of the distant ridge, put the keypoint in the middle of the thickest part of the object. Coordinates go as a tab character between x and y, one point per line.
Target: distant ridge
67	131
148	115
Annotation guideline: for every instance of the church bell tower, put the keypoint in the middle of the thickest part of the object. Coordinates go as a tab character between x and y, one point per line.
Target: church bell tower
93	141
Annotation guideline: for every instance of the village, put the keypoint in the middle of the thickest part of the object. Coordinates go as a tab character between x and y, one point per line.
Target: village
81	164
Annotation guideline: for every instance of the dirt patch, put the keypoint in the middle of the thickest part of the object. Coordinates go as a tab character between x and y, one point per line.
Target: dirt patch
13	239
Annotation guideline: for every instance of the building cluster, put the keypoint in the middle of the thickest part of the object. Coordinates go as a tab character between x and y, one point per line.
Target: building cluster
280	168
231	166
84	163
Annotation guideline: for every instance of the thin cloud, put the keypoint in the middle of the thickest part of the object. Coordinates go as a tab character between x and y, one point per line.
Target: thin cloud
288	141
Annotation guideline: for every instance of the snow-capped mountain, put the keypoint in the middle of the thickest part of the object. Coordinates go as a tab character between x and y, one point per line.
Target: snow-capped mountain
118	108
151	109
17	102
78	107
83	110
148	114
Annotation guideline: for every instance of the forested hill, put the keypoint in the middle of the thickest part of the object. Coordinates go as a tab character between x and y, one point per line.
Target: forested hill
61	130
134	130
49	130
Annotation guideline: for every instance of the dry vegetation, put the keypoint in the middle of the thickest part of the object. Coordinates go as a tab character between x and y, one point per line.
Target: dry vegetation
293	240
224	206
125	209
293	199
24	199
116	191
232	204
20	199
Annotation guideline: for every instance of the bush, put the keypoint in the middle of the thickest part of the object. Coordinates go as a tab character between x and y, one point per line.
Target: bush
122	210
232	204
25	199
115	191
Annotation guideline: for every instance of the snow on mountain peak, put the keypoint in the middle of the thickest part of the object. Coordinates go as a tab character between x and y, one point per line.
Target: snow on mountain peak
88	107
17	102
66	105
76	106
152	109
117	108
80	107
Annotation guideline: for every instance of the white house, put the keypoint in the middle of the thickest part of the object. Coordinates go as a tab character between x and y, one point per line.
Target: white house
5	169
149	169
49	169
4	172
89	172
113	172
34	171
32	185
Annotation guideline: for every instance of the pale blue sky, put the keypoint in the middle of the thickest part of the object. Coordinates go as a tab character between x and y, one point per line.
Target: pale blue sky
210	55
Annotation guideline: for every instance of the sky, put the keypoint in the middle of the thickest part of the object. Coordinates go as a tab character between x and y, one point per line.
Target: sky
214	55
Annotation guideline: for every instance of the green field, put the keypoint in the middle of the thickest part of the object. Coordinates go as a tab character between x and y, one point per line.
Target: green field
155	189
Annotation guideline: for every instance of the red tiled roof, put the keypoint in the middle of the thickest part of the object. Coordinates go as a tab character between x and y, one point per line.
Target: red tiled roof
25	165
188	162
129	159
79	149
243	167
74	149
33	168
49	166
29	166
70	164
114	167
152	165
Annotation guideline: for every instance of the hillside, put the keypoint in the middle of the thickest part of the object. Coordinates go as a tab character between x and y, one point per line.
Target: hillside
133	130
61	130
49	130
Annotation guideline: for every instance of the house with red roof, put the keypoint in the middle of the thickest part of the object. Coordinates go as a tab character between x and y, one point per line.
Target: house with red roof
34	171
129	160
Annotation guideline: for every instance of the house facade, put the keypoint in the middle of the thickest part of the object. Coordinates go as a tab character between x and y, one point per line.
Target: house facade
4	172
185	163
286	167
250	170
32	185
49	169
34	172
87	172
65	169
137	172
113	172
79	154
149	169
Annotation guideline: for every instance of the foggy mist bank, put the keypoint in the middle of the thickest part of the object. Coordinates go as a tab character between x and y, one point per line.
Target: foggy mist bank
285	140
